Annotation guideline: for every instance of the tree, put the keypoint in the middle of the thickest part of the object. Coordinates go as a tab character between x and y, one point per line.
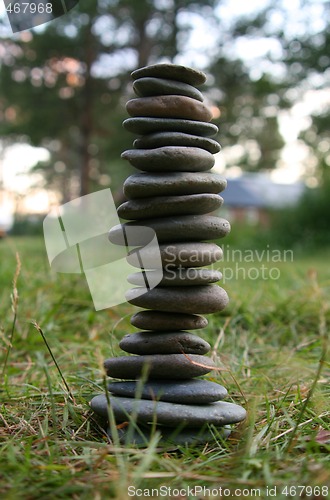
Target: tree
248	115
291	47
63	86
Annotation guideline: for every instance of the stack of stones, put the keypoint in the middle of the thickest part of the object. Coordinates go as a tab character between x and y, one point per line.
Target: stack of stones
173	194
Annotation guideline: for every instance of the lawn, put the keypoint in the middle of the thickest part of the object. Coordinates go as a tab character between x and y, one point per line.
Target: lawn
270	345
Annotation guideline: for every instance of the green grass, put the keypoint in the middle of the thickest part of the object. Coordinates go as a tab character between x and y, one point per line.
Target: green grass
270	345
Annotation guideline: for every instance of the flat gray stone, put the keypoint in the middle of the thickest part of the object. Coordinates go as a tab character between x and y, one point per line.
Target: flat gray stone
169	106
160	139
170	158
173	229
170	414
164	343
159	366
161	206
146	125
194	392
148	86
144	185
173	276
205	299
170	438
162	321
190	254
171	72
180	255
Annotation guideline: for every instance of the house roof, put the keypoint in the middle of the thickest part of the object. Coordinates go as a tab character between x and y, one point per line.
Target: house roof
259	191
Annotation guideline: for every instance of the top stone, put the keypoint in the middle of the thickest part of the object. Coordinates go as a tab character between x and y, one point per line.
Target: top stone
171	72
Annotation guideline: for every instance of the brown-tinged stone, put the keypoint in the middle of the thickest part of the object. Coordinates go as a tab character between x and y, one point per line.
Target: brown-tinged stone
169	106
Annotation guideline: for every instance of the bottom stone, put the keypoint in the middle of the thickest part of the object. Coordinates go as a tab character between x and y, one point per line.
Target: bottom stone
168	414
169	438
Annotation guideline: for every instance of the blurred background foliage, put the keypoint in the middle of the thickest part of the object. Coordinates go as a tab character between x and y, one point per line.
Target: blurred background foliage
64	87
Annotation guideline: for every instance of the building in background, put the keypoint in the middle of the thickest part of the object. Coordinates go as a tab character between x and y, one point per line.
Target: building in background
251	197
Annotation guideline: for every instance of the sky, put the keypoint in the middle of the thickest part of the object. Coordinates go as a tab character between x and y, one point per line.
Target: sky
17	162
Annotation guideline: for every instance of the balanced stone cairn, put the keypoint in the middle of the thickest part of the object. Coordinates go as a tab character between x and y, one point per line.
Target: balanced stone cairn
173	194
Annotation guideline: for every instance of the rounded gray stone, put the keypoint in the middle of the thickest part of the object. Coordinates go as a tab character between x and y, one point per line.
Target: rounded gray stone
195	392
160	139
179	255
161	206
171	72
159	366
163	321
205	299
190	254
170	158
173	229
144	185
173	276
169	106
148	86
164	343
218	414
146	125
170	438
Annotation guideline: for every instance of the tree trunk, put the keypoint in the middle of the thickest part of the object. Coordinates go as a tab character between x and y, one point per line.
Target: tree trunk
87	117
144	45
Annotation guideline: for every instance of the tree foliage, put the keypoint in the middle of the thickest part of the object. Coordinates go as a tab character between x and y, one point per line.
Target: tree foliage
63	87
